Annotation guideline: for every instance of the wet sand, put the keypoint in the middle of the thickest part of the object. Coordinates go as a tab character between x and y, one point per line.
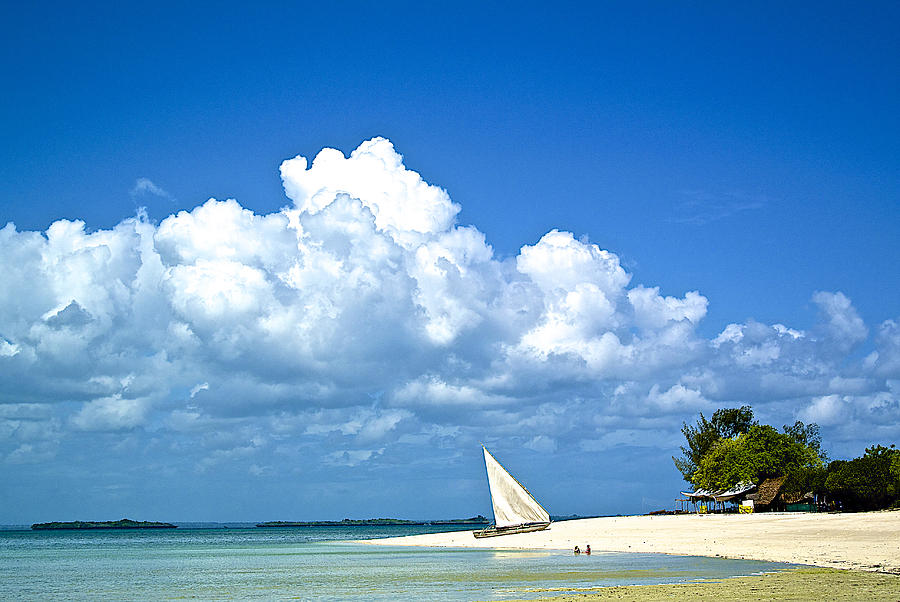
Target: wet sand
868	541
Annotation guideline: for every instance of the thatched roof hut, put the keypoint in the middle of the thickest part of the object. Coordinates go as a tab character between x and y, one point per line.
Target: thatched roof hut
767	492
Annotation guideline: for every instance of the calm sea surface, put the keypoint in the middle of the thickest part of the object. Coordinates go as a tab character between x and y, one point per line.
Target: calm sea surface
310	563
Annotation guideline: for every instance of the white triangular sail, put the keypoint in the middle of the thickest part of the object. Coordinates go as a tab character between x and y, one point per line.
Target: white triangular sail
513	505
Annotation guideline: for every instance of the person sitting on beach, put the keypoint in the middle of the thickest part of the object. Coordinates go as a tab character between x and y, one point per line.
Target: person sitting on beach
577	550
588	550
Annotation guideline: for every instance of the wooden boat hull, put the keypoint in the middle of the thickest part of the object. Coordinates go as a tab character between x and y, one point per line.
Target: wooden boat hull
496	531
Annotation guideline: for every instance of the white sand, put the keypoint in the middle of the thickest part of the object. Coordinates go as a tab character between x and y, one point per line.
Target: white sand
866	541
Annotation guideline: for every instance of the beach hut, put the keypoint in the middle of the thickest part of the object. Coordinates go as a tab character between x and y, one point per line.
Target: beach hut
734	494
718	498
766	496
697	497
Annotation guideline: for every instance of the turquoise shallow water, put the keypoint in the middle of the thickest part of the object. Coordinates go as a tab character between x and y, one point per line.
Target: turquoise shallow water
310	563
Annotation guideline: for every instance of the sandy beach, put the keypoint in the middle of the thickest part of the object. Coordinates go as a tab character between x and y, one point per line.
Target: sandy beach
862	541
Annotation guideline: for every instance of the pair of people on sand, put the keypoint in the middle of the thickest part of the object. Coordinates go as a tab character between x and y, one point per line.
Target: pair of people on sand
587	550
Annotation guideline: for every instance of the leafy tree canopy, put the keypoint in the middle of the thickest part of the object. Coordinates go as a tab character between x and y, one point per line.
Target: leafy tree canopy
731	422
806	434
725	424
732	447
869	482
759	453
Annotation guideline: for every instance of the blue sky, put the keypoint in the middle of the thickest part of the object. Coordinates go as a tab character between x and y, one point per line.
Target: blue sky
566	229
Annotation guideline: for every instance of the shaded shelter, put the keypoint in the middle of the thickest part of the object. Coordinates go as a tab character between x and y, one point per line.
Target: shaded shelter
767	493
733	494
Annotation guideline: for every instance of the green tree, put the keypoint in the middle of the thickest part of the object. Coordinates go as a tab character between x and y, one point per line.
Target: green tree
869	482
806	434
723	466
725	424
731	422
760	453
813	478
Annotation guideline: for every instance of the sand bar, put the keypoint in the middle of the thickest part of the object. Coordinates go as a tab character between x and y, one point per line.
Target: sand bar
867	541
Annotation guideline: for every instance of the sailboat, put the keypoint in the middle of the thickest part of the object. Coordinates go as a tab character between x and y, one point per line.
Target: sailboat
515	510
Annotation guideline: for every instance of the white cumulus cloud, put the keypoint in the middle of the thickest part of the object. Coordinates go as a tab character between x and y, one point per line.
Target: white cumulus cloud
362	322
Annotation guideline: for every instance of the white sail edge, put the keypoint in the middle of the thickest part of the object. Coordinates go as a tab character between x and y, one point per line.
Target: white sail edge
512	503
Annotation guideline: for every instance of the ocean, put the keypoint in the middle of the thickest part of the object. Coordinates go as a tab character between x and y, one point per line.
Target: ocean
311	563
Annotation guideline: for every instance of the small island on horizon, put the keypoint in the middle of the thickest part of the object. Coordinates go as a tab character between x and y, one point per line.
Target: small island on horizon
124	523
374	522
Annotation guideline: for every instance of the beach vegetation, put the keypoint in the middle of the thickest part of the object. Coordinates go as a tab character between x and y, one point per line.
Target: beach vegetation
724	424
870	482
757	454
806	435
732	447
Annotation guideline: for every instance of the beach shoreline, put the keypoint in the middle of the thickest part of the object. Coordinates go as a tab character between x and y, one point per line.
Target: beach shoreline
865	541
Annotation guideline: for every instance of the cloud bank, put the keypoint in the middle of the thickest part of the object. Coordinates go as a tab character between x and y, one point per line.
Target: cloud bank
362	323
